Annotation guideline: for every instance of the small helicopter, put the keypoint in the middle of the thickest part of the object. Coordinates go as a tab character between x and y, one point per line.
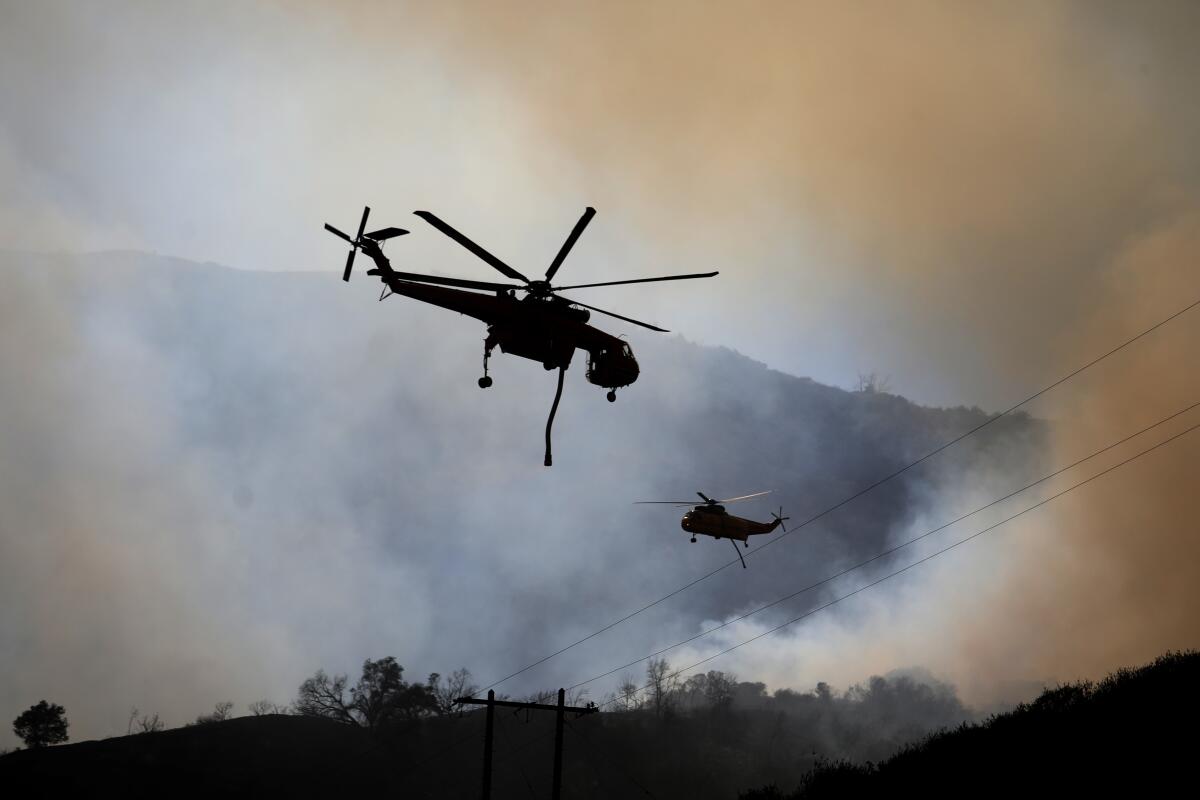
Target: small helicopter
543	326
711	519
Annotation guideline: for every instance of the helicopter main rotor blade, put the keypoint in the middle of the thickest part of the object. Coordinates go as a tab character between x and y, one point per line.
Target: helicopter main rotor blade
745	497
588	213
705	497
618	316
460	282
640	280
338	233
664	503
479	252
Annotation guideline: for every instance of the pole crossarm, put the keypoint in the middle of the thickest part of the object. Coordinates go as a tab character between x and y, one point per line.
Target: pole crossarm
560	710
590	708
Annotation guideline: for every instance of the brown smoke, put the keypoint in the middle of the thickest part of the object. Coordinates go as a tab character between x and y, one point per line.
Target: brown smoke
1112	578
1020	178
882	162
981	195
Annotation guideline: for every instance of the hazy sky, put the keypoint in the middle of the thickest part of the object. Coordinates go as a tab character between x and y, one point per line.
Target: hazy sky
869	184
969	198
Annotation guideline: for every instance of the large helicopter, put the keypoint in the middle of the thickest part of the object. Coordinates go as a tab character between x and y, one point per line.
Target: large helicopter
543	326
711	519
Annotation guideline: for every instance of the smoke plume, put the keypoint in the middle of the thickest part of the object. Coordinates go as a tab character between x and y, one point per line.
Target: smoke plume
972	199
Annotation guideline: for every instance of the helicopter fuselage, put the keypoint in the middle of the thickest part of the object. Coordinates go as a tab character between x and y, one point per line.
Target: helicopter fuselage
714	521
546	330
542	326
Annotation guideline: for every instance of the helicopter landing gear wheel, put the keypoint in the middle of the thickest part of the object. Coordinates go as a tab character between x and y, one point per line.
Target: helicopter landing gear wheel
693	540
485	382
612	396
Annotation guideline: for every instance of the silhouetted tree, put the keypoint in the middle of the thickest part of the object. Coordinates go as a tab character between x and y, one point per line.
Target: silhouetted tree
42	724
378	691
872	383
714	689
719	688
629	694
662	684
325	696
381	696
221	712
146	723
149	724
571	697
260	708
691	692
447	690
750	694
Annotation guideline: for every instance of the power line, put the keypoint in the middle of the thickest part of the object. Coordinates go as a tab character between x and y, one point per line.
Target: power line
857	494
929	557
897	547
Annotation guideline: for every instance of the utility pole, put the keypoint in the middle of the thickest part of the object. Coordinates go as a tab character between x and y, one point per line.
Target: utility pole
559	709
556	792
487	745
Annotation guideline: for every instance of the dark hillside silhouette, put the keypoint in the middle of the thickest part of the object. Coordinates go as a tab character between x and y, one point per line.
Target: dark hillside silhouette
705	737
244	756
1133	732
1129	732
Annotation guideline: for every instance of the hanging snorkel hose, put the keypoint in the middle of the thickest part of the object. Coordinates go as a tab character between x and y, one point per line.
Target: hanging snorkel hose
562	371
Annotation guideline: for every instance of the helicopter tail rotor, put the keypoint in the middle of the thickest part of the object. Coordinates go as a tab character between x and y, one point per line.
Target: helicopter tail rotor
780	518
361	239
